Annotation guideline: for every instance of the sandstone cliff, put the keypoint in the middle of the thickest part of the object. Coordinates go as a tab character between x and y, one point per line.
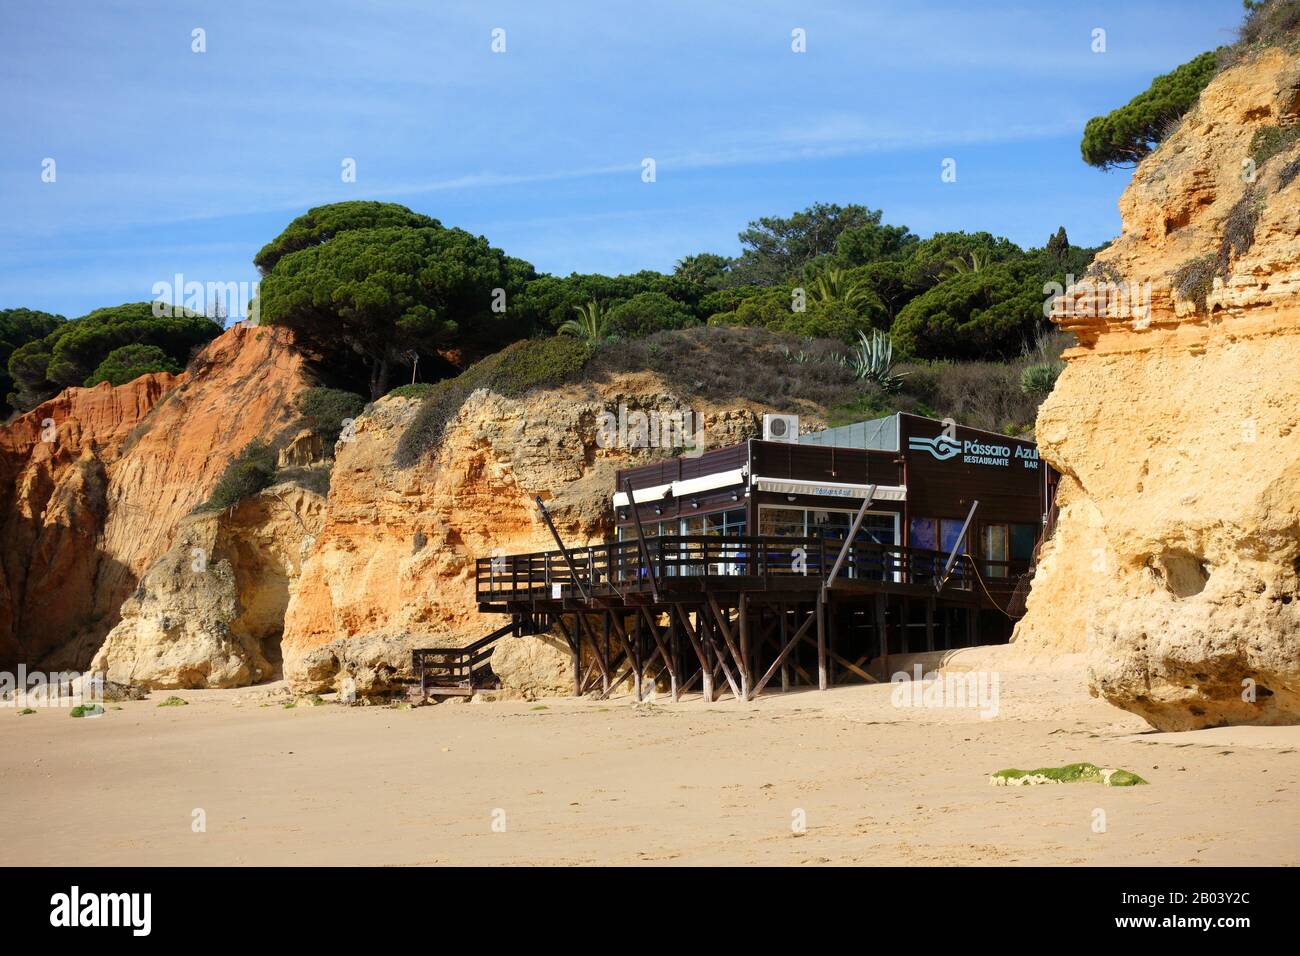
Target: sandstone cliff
1177	427
393	566
94	483
209	612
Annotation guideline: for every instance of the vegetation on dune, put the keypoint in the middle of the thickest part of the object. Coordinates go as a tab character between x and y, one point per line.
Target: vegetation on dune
248	473
1126	135
174	701
324	410
17	328
513	372
384	296
72	352
130	362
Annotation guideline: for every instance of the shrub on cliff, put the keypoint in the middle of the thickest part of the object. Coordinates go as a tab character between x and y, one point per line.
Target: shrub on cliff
72	351
1124	136
325	409
645	314
513	372
982	314
17	328
251	470
130	362
390	286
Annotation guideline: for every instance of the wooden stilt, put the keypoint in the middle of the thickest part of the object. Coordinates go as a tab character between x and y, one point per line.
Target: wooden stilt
929	624
823	674
745	670
883	630
785	643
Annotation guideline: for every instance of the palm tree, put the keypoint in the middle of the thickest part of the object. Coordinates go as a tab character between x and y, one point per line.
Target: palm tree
961	264
833	286
588	326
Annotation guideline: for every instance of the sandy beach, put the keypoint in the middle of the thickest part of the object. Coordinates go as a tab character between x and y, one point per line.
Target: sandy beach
580	782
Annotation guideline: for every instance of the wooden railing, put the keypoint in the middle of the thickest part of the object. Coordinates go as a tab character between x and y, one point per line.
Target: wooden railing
619	566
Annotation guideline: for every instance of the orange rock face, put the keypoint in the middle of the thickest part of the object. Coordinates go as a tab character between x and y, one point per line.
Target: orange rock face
1177	429
395	559
94	482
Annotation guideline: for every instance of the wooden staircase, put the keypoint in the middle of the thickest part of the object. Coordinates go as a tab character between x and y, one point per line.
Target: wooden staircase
461	671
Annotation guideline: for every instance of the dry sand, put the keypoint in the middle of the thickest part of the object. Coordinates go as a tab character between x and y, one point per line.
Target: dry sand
580	781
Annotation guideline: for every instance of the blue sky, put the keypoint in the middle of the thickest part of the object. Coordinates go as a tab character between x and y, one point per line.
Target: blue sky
172	161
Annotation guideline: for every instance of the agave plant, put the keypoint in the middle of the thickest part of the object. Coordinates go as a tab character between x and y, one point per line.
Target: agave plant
872	360
588	326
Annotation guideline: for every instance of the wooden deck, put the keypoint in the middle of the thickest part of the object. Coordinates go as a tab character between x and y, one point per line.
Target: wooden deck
687	610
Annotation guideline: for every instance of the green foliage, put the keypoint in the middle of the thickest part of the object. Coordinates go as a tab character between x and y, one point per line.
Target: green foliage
248	473
86	710
1124	136
1269	141
72	351
1270	23
323	223
645	314
413	390
1194	279
383	293
324	409
129	362
706	269
1288	173
513	372
588	325
979	314
776	248
548	302
17	328
1040	379
871	242
872	360
1238	231
174	701
1058	246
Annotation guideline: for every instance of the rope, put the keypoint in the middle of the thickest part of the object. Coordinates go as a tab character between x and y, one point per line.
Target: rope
980	579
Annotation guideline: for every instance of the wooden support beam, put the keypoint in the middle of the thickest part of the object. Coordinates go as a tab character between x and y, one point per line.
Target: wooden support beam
822	671
707	675
746	675
883	630
785	652
785	641
662	648
929	624
724	628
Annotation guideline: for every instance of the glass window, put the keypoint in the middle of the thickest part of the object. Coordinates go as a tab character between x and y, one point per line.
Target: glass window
923	533
781	522
949	535
1023	539
995	549
734	522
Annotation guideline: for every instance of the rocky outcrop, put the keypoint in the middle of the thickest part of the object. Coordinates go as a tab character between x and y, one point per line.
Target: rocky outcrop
395	558
210	612
1177	427
94	483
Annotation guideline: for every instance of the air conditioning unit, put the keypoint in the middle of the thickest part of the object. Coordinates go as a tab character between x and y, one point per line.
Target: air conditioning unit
781	428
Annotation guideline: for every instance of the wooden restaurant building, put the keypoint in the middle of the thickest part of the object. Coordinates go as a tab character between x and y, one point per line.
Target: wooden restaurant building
791	560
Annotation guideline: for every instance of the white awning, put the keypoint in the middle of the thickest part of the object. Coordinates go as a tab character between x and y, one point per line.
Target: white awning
691	486
830	489
720	479
653	493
